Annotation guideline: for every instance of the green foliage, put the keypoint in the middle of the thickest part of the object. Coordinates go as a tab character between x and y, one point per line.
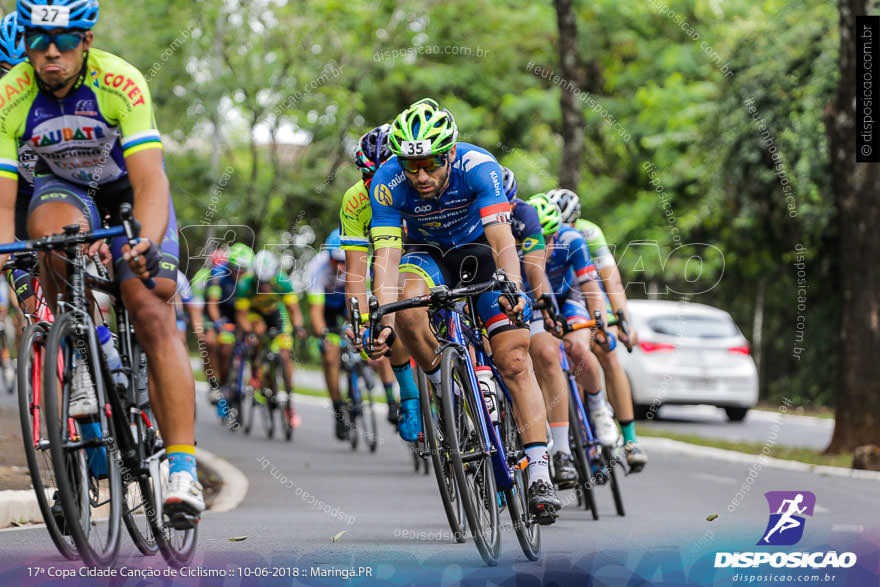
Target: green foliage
664	87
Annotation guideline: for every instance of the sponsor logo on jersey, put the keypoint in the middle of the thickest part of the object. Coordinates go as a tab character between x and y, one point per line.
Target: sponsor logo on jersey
420	209
433	224
86	108
529	243
13	88
355	204
41	113
125	85
80	133
383	195
396	180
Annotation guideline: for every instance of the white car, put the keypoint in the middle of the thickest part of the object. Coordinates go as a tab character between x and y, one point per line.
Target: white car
688	354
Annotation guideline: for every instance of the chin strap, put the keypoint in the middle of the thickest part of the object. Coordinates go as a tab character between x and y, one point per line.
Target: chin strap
80	79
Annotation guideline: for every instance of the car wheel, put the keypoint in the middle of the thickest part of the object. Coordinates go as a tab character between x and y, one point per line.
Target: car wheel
736	414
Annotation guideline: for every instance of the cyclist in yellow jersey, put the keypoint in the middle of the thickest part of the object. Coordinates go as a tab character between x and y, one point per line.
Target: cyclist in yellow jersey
88	116
354	232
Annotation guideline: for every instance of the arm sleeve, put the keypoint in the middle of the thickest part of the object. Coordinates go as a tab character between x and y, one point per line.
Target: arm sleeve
597	244
532	237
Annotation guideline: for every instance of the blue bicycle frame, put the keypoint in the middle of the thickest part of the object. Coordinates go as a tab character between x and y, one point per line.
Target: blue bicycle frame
461	335
589	441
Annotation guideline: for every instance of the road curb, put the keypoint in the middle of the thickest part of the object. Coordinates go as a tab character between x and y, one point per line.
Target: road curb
19	506
235	484
732	456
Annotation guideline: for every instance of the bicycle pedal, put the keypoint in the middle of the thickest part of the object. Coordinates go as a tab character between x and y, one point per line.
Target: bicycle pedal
183	520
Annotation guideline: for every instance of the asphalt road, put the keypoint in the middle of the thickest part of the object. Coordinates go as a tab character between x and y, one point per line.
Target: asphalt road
305	493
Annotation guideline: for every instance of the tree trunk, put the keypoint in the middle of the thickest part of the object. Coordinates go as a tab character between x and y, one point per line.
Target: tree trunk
757	333
572	116
857	399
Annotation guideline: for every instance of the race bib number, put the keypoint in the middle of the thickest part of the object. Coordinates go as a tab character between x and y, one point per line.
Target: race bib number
50	16
416	148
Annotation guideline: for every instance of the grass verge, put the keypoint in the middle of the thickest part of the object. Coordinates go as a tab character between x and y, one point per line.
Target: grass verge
791	453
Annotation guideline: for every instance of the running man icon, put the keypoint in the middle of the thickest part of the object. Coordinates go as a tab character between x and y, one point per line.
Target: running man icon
786	524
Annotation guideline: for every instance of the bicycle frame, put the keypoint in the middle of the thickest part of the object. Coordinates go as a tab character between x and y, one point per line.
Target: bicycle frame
589	441
461	336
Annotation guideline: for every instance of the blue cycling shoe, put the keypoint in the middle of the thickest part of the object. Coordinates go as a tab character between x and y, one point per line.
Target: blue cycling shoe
409	422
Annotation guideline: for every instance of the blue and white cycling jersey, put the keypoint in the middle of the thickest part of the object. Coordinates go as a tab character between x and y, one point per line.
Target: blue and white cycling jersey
569	261
473	200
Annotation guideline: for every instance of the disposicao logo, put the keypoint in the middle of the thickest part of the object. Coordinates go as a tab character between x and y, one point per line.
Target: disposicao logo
787	511
786	528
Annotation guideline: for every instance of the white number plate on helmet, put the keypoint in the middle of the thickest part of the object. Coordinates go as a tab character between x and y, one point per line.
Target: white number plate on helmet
54	16
416	148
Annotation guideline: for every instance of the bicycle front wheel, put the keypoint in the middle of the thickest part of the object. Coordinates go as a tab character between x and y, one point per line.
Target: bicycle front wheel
34	425
434	428
528	532
89	480
471	464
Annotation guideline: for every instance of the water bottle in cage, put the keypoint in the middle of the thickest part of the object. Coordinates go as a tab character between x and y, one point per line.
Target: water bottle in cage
489	391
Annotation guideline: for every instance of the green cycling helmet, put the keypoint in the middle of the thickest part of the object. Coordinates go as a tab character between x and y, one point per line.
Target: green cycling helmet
241	256
548	213
422	130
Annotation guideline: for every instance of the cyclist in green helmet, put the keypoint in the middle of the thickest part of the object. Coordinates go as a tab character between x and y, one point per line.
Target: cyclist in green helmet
221	303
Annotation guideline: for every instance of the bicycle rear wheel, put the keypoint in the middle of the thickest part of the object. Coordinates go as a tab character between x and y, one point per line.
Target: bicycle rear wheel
176	545
528	532
473	471
83	492
368	423
576	437
433	426
34	425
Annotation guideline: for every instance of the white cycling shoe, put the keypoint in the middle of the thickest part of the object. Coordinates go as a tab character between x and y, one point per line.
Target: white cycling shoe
606	429
83	401
183	500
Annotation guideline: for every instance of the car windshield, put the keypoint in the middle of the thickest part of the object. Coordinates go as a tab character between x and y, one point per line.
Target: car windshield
693	326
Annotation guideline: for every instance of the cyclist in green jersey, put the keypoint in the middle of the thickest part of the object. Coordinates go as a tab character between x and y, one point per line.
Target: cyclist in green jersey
88	116
354	233
260	297
619	391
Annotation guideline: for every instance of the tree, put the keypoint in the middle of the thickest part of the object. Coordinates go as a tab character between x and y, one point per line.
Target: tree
857	398
572	117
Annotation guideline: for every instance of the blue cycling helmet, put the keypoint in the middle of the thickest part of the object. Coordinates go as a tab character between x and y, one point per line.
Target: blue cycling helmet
10	51
333	244
509	182
372	149
57	14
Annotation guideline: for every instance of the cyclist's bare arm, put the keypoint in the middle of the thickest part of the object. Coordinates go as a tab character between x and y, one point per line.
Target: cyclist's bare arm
150	186
503	246
316	312
296	315
8	192
241	318
355	276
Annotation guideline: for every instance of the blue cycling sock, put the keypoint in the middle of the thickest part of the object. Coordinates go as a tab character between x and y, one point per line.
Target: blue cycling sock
404	375
182	458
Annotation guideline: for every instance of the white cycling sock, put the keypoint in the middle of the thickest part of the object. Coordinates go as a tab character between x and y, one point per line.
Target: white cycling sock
595	400
559	432
539	462
434	378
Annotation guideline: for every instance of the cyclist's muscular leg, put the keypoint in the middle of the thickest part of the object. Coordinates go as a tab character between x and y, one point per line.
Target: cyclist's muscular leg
619	393
172	389
413	330
584	365
544	349
511	354
331	359
48	219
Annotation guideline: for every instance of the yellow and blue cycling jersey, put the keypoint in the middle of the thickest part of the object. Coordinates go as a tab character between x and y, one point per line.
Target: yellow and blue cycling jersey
84	137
